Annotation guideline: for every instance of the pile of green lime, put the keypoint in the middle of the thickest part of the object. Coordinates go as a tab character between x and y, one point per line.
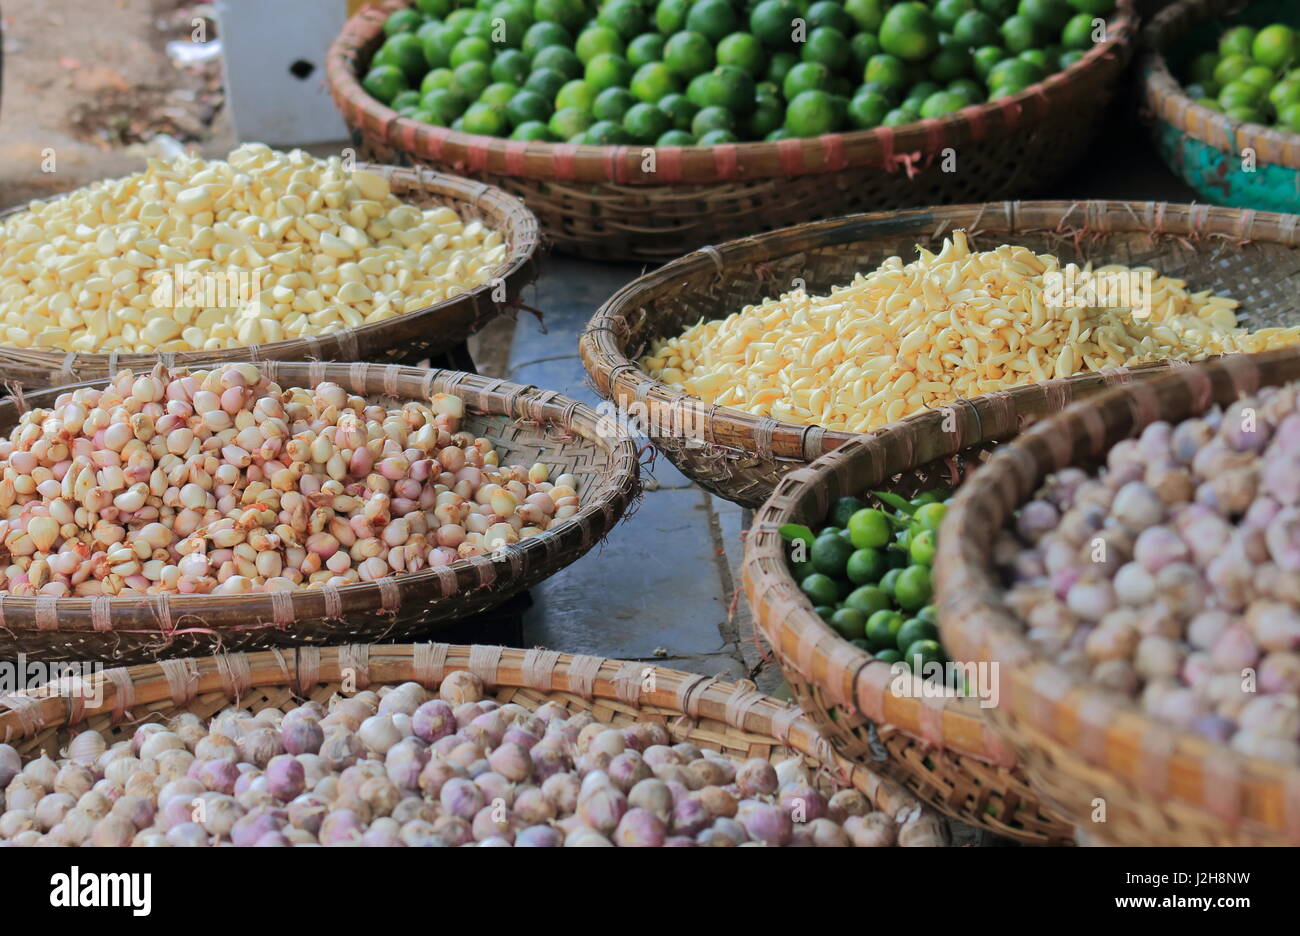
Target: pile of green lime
867	572
684	72
1253	76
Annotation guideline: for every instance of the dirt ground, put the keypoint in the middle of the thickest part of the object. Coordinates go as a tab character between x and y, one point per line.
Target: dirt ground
85	83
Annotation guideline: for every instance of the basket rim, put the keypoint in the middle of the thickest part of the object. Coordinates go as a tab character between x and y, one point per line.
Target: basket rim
895	148
1163	94
481	395
1106	732
619	378
520	267
736	703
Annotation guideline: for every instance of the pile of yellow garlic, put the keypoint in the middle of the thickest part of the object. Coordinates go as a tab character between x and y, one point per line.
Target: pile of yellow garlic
207	255
956	324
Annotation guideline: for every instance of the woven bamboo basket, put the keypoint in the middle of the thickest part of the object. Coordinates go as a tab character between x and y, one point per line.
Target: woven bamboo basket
940	748
615	202
730	717
741	457
403	339
525	424
1206	148
1079	744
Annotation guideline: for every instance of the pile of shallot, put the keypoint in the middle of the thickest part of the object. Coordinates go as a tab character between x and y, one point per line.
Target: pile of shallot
405	767
223	482
1173	576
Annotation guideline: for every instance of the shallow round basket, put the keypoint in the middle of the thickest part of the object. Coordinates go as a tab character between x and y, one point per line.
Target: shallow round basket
1251	257
1208	149
403	339
650	203
1079	744
940	748
525	424
730	717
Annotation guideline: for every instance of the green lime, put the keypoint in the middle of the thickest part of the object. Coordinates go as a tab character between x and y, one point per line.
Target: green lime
1289	117
568	122
510	65
471	78
930	516
577	94
508	25
645	123
435	8
780	134
1259	76
779	66
1050	16
407	53
909	31
546	81
1036	57
676	137
825	612
930	615
951	63
862	47
968	88
679	110
654	81
1013	73
869	529
887	656
605	133
1239	94
917	94
772	21
998	9
768	115
445	104
570	14
384	82
827	45
975	29
921	548
670	17
608	70
402	21
717	138
887	70
533	130
830	547
645	48
889	580
528	107
437	43
730	87
843	509
922	653
984	58
806	76
914	629
498	94
913	588
850	623
480	26
820	589
830	13
811	113
1202	70
544	35
559	59
744	51
868	110
882	629
865	566
458	19
1068	58
900	116
1283	93
1250	115
688	54
596	40
485	119
1239	40
829	554
1077	33
471	49
697	90
712	19
1230	68
625	17
1018	34
867	15
408	98
612	104
868	599
1095	7
948	12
